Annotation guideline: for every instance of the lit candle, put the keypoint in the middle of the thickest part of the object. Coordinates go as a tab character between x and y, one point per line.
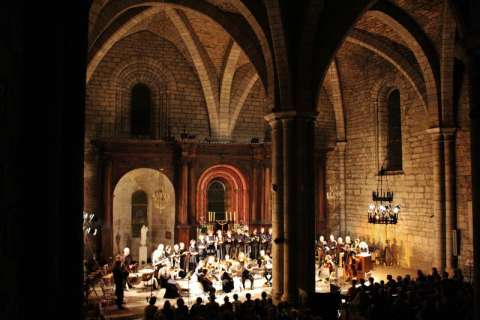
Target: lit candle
214	216
234	215
209	216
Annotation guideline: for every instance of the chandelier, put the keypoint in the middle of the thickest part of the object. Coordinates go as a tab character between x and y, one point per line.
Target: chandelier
381	210
160	197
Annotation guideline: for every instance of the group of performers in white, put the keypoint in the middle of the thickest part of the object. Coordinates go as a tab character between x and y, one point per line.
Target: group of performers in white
219	256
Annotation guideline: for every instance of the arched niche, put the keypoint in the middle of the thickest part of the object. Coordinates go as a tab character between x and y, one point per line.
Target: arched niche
160	207
237	197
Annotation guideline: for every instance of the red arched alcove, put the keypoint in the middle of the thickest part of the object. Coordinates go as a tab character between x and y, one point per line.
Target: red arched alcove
235	181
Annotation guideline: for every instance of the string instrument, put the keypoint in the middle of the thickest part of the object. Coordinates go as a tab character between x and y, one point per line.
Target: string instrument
162	261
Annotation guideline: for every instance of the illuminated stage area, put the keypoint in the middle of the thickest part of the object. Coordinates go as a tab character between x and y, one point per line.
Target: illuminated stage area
137	297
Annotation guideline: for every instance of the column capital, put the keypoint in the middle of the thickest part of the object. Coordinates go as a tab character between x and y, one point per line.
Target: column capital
291	114
437	132
341	145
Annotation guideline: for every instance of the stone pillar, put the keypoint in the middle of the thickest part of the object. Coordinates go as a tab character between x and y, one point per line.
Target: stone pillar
293	135
450	196
341	180
277	207
438	199
192	193
183	232
305	206
473	67
107	228
290	256
321	192
255	190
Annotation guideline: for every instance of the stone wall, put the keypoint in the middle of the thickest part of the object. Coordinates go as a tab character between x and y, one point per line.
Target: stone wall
463	181
364	80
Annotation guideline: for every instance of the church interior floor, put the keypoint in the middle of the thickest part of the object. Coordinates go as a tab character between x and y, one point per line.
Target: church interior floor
137	298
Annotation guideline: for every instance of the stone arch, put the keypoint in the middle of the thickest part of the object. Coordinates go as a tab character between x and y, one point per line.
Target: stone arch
336	98
161	219
235	180
422	49
370	42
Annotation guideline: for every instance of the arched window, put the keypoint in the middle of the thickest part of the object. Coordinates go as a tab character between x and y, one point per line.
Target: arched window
139	212
140	111
216	196
394	142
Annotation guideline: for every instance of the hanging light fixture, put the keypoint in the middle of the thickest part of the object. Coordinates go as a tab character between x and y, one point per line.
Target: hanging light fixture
382	210
160	197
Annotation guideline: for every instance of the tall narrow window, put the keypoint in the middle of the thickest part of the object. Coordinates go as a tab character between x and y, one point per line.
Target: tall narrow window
139	212
140	110
216	196
394	132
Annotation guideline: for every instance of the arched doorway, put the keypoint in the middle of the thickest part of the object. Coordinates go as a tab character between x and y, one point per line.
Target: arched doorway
223	181
143	196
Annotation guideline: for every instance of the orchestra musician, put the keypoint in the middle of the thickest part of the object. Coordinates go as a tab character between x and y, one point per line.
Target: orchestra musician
183	256
210	243
227	281
229	243
266	264
255	244
205	281
128	266
169	254
176	256
202	246
246	274
263	239
269	241
238	244
247	248
219	245
193	255
168	282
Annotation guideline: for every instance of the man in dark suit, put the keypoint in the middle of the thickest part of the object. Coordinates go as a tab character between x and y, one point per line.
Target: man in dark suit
119	276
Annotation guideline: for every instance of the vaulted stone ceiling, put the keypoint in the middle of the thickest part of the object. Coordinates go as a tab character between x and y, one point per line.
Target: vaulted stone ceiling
226	73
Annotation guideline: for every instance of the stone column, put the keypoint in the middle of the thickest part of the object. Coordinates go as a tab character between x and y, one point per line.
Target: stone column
182	223
321	192
473	67
450	196
192	192
254	191
305	206
107	228
341	180
277	207
290	260
295	164
437	198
